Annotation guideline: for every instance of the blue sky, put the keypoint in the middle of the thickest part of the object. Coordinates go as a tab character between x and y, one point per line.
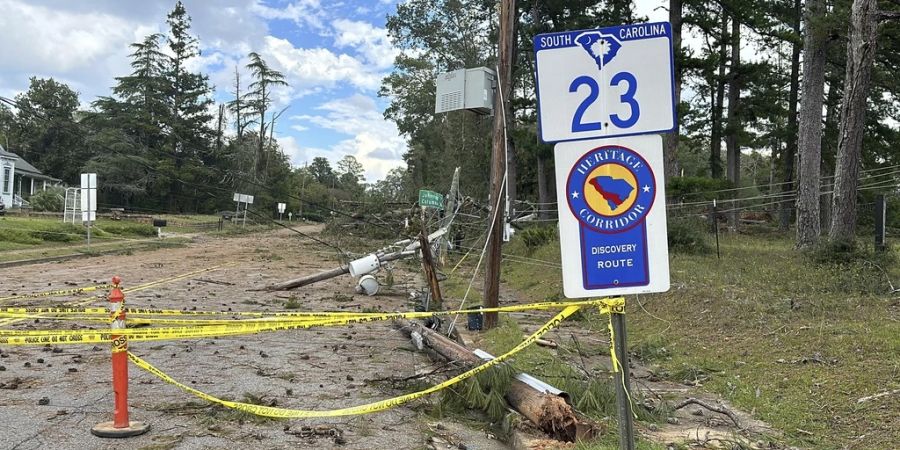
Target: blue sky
333	54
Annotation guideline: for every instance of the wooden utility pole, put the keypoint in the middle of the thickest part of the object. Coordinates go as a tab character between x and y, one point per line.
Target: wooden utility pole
498	159
430	274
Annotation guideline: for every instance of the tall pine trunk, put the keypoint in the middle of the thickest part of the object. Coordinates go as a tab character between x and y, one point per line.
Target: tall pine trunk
809	136
715	150
732	144
790	149
829	152
860	56
261	149
670	140
237	101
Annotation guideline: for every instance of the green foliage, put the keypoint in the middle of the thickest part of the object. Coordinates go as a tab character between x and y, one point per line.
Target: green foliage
18	237
536	237
847	252
852	267
128	228
60	232
292	303
688	235
484	391
44	130
652	348
50	199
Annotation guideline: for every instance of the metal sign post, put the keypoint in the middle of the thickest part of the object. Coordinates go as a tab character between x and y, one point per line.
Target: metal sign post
246	200
281	208
88	201
623	384
594	88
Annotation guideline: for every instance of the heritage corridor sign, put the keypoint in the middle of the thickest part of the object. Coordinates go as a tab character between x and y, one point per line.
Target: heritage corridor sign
612	216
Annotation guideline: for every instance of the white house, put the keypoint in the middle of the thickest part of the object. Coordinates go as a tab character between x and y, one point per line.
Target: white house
18	179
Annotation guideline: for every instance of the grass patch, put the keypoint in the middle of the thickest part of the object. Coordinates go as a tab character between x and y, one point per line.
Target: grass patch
122	228
592	393
292	303
794	340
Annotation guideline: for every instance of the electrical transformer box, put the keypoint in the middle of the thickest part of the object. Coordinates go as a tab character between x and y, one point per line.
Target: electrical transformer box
471	89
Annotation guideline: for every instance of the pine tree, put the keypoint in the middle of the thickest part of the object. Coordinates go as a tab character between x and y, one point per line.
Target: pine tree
261	98
810	130
860	58
189	135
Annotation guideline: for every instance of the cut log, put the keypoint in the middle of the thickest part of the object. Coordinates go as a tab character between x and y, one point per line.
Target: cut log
551	413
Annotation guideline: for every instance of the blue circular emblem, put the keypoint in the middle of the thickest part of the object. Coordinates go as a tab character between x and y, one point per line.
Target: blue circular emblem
611	189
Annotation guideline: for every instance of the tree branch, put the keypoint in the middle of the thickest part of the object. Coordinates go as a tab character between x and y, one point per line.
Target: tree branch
718	409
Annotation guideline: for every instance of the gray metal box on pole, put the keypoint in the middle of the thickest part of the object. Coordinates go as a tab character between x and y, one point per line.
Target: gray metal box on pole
471	89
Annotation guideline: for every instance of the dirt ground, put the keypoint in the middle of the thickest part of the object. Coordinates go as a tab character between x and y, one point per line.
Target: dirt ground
50	398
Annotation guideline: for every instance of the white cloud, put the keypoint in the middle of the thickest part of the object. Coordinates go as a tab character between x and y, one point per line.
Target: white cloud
371	42
310	67
85	49
86	45
374	141
302	12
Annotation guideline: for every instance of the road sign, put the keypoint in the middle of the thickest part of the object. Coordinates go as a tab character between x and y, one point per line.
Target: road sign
606	82
243	198
88	197
281	208
612	216
430	199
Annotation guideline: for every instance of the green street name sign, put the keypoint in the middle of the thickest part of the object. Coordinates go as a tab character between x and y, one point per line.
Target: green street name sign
430	199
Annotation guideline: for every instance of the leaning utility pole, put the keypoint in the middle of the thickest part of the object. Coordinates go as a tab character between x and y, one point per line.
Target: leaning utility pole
498	159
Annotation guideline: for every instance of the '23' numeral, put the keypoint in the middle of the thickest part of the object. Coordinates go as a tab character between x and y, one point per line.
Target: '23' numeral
594	92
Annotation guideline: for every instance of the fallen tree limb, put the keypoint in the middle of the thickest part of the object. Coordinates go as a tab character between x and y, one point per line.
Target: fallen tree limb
877	396
551	413
718	409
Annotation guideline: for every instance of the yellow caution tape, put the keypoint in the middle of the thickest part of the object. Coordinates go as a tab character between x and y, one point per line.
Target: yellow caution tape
58	293
238	327
131	312
103	311
286	413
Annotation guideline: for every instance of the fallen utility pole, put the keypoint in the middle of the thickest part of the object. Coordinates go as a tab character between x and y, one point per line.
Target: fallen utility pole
410	249
328	274
544	406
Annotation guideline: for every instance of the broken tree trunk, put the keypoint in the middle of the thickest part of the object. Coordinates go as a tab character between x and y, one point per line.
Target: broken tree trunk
551	413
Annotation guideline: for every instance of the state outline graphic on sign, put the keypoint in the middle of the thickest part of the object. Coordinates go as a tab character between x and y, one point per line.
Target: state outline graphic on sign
601	47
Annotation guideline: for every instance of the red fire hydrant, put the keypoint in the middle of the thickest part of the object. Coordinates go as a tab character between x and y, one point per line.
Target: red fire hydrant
120	425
